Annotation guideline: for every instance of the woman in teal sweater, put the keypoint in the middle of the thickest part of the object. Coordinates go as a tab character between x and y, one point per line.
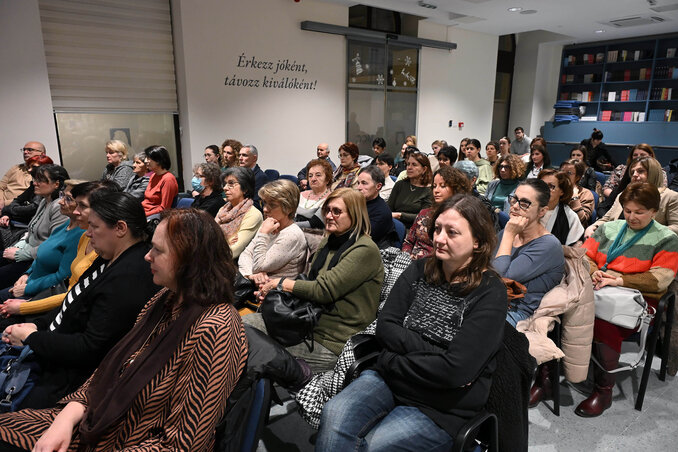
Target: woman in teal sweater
508	171
52	264
346	273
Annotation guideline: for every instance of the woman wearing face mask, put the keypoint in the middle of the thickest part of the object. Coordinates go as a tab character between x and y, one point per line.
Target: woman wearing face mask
527	252
560	220
645	169
447	182
84	257
212	196
484	167
137	185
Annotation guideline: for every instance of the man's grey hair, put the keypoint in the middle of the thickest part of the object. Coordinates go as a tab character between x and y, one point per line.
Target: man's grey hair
253	149
375	173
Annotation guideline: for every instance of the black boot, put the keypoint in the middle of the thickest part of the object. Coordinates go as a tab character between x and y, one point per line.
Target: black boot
541	389
601	399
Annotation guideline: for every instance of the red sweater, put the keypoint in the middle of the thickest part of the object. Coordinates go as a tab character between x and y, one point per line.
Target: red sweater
160	193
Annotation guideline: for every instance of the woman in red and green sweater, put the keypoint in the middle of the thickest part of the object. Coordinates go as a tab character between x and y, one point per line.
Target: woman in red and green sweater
638	253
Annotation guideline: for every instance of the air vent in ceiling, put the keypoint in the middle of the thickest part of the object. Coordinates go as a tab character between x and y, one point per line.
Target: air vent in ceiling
662	9
634	21
463	18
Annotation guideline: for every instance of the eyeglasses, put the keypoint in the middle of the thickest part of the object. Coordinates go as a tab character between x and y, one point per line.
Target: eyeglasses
504	167
342	154
269	205
68	199
231	184
29	150
524	204
334	211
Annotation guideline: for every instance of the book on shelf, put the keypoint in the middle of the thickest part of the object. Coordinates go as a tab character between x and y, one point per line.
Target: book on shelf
624	55
656	115
624	95
611	96
633	94
600	57
641	116
627	116
627	75
671	52
636	55
588	118
605	115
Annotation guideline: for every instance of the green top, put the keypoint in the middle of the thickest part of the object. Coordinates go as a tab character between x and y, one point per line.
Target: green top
354	285
485	175
409	200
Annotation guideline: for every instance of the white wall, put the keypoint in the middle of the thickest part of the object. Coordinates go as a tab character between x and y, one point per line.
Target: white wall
25	100
285	124
535	80
456	85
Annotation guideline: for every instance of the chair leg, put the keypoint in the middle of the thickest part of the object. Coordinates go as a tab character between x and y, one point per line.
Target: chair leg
555	386
666	341
647	366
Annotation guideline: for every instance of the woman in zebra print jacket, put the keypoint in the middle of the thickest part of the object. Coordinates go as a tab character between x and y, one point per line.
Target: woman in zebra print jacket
164	386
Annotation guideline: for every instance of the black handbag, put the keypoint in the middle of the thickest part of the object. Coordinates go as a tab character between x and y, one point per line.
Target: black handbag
17	376
289	319
243	291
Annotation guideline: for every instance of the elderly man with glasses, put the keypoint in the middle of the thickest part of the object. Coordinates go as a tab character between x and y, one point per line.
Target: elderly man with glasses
17	179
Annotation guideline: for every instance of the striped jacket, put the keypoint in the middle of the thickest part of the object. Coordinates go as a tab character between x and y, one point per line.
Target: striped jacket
178	409
648	266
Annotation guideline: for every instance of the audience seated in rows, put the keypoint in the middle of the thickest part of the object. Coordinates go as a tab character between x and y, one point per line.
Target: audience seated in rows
279	248
17	258
447	182
527	253
413	193
539	160
346	174
635	252
162	187
588	179
616	176
370	182
400	158
484	168
560	220
248	157
165	385
508	172
212	155
333	281
447	156
436	146
53	257
86	254
492	152
211	198
18	178
379	148
318	176
645	169
504	146
69	342
118	169
323	153
138	183
439	331
238	218
583	202
471	171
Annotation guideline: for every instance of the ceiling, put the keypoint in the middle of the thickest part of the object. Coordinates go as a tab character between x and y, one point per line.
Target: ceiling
576	19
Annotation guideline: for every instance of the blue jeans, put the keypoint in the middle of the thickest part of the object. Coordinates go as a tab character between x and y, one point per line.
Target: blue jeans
365	417
514	315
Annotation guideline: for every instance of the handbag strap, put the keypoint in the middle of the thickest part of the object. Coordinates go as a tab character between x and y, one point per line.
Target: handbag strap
645	320
13	378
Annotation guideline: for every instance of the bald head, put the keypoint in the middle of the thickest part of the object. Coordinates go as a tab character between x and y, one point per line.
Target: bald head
33	149
323	150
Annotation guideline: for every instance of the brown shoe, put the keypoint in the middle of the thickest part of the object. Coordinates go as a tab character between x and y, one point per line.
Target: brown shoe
541	389
597	403
601	399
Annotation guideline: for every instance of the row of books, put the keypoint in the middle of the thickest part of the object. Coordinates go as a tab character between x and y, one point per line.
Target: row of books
618	56
665	71
587	58
625	95
627	75
671	52
663	115
579	78
626	116
664	94
584	96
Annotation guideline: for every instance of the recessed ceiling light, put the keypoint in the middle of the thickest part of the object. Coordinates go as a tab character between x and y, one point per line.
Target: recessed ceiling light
600	31
515	9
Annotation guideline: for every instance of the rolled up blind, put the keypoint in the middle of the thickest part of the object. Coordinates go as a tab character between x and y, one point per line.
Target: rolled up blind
109	55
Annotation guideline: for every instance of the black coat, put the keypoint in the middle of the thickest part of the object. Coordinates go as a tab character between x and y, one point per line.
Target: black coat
95	321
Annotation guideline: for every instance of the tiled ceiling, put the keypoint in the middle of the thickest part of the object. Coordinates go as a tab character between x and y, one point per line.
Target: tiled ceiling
577	19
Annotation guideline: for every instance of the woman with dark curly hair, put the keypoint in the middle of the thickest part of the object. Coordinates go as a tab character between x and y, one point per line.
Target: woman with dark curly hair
346	174
211	198
447	182
508	171
230	153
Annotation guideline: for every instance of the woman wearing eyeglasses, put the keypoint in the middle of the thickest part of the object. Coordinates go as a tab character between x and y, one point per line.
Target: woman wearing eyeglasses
346	273
346	174
527	252
238	218
508	172
560	220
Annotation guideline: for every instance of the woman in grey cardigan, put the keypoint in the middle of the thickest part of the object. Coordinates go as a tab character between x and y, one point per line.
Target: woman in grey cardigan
48	181
137	184
118	169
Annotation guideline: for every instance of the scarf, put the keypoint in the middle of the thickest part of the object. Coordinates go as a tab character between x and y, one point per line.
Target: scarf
229	217
561	227
349	176
119	379
617	248
340	243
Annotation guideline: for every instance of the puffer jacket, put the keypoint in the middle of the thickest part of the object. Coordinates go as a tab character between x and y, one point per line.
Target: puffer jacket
573	298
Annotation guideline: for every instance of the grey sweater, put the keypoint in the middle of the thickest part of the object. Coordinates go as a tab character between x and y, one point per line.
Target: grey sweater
47	218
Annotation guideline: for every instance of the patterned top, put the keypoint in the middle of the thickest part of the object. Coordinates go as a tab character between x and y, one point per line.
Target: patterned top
648	266
417	242
178	409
